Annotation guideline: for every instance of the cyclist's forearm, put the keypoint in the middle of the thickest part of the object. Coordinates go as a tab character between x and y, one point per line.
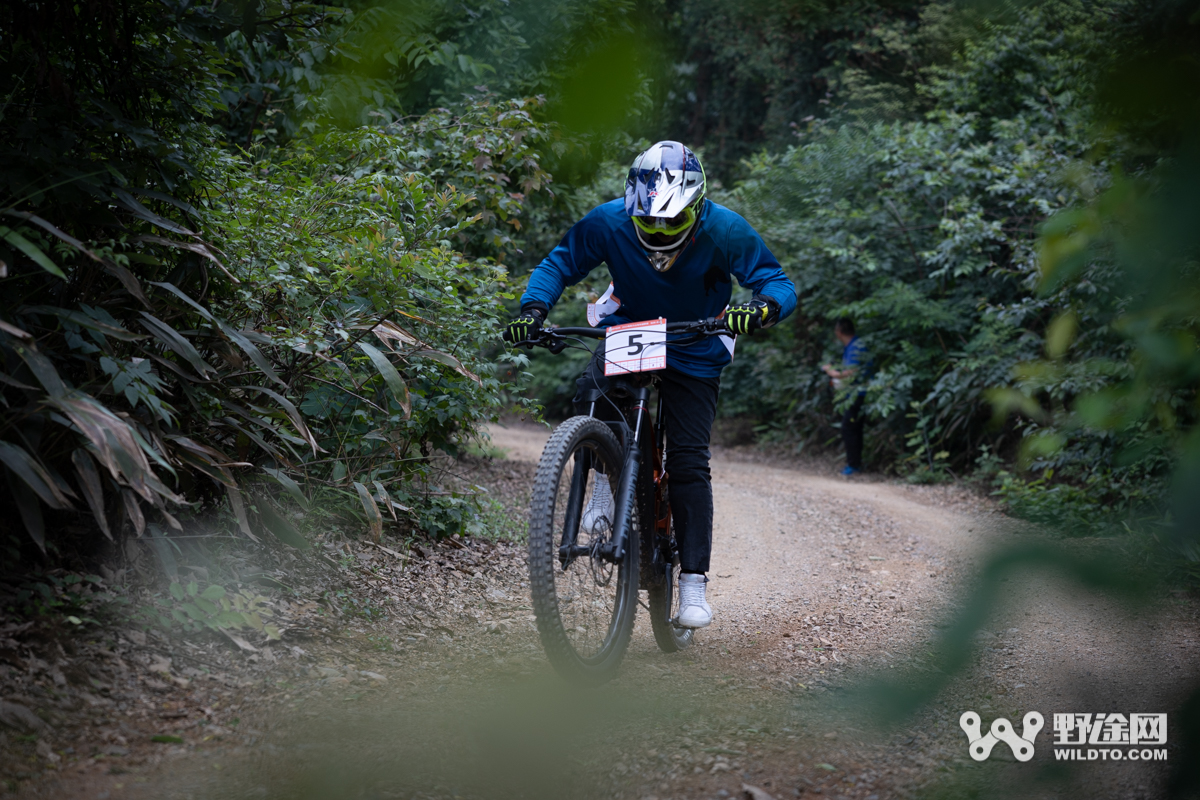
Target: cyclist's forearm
782	291
767	279
545	286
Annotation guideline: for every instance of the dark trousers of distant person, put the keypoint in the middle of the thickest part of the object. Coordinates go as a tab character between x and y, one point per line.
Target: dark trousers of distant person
852	432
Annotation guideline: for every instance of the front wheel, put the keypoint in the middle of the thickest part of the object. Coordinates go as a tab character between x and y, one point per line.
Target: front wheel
583	599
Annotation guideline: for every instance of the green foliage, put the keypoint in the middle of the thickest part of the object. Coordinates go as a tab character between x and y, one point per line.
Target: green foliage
215	608
751	74
924	232
358	65
1071	508
68	596
1131	410
184	321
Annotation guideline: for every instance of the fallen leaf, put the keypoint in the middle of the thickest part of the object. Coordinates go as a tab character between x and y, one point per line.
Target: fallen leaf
240	642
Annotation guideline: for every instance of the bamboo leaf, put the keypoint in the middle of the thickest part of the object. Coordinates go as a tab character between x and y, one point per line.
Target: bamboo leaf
373	517
239	511
52	229
114	444
290	485
84	321
89	482
267	448
209	460
134	509
9	381
388	331
292	412
42	369
35	476
29	509
127	280
390	376
131	203
450	361
13	330
199	248
284	531
175	290
385	498
55	231
32	250
238	338
175	341
251	350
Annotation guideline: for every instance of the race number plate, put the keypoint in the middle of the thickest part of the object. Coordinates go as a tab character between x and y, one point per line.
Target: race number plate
636	347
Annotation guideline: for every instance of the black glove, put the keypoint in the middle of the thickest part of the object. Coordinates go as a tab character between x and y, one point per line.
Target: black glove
760	312
526	324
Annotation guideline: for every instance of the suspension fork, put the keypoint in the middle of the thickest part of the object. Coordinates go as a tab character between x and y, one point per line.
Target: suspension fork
627	486
583	465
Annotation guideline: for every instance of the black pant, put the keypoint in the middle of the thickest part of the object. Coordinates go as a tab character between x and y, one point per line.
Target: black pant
852	432
690	408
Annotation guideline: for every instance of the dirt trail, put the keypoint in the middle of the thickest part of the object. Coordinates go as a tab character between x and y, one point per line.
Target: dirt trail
818	585
816	579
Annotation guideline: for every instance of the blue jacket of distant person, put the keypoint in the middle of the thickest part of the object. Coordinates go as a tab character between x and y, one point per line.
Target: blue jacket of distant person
856	357
697	286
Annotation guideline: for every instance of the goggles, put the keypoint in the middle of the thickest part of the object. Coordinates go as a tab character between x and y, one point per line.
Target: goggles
667	226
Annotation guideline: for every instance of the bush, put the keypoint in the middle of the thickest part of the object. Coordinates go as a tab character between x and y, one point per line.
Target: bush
328	333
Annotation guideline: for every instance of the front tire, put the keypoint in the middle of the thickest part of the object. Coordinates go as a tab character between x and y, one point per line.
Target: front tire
584	604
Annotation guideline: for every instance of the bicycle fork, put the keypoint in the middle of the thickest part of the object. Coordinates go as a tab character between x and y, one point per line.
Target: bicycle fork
625	497
627	486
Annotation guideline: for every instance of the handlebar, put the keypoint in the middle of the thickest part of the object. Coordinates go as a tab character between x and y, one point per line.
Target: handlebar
554	339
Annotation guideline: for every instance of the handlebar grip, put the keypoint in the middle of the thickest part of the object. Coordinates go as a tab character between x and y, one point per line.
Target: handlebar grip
594	333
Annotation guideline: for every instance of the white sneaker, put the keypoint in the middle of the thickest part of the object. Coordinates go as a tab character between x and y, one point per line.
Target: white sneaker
601	509
694	611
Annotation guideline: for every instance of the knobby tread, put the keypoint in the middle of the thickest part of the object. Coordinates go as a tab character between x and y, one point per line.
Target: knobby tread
543	551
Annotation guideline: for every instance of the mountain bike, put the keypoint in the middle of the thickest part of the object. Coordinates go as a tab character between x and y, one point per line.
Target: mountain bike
585	582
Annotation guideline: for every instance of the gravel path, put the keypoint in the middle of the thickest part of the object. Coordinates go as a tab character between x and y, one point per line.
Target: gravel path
822	588
820	583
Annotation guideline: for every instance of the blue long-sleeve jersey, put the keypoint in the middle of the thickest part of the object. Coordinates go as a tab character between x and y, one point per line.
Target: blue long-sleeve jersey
697	285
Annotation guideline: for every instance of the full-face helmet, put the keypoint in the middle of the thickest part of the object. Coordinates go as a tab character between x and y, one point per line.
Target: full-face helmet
664	194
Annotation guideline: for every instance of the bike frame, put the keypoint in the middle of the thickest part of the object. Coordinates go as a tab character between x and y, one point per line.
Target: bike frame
627	485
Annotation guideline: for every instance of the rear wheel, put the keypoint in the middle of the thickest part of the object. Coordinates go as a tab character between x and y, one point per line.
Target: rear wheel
664	599
583	600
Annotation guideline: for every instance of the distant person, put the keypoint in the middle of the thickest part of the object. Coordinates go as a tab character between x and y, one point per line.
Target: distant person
856	366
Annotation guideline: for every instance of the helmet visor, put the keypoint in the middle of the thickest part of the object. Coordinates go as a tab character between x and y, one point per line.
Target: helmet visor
667	226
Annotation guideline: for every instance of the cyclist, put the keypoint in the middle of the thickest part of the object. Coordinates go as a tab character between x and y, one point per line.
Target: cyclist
671	253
